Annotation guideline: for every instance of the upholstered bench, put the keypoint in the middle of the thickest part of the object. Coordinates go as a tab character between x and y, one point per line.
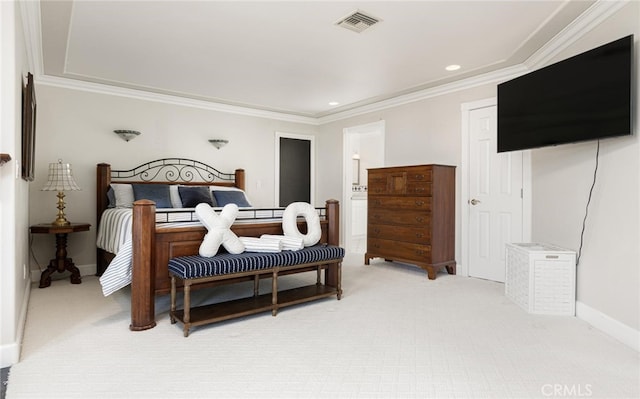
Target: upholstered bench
233	268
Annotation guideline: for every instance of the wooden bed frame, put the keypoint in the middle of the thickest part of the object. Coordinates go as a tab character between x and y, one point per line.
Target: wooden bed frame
154	245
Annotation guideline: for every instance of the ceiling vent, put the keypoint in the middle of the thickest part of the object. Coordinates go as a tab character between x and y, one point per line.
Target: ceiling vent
358	21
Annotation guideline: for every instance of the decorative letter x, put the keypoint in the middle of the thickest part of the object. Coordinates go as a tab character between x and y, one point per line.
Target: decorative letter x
219	231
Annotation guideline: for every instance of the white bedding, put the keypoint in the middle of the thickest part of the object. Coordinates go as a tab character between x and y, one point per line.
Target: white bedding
115	229
114	236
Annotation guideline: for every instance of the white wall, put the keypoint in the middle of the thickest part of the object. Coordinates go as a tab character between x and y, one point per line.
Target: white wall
428	131
77	127
14	287
422	132
608	277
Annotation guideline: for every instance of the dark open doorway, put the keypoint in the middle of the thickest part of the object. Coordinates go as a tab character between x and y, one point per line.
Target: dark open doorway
295	171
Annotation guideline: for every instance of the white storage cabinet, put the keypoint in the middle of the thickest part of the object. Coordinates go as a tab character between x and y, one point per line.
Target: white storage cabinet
541	278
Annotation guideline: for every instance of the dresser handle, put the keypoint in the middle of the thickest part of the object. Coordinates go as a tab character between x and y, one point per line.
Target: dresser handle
419	203
378	202
419	219
419	235
376	231
419	252
419	189
419	177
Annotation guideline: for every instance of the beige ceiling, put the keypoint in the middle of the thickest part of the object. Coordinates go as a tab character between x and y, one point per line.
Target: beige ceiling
289	56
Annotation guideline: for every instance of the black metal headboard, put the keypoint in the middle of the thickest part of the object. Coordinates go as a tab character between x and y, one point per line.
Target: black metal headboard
174	170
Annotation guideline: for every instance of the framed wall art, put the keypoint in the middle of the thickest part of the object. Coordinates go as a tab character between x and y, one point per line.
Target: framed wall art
28	129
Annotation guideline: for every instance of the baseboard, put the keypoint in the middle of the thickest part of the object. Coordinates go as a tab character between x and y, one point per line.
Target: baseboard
85	270
10	353
608	325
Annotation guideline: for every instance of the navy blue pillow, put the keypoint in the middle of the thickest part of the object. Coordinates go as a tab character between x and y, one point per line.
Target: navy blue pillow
111	196
192	196
159	193
231	197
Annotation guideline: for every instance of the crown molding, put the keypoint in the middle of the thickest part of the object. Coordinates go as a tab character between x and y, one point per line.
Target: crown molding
588	20
463	84
30	13
169	99
593	16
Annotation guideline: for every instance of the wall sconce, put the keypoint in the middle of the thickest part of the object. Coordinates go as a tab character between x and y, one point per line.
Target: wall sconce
60	179
218	143
127	135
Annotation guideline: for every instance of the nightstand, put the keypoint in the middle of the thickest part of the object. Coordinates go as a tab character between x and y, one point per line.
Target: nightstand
60	263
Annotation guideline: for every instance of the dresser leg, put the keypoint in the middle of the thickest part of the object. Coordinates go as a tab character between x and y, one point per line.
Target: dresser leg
451	269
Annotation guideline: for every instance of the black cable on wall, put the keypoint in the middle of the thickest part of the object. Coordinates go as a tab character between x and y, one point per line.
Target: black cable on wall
586	211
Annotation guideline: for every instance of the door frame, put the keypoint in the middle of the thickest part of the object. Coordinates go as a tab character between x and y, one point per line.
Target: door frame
347	175
312	171
466	108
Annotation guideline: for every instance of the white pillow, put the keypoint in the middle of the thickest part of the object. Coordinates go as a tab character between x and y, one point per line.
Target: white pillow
224	188
123	194
176	201
290	222
218	230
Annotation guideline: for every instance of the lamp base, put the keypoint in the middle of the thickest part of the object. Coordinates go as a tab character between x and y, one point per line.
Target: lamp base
61	220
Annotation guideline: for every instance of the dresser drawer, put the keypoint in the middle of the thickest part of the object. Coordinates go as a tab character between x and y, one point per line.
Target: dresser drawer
420	174
417	235
377	188
398	250
419	204
418	188
387	183
396	217
377	183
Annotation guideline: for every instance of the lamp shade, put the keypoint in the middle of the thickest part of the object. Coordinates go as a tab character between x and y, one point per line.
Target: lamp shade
60	178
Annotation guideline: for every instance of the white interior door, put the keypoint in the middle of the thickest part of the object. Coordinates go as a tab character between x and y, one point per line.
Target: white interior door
495	201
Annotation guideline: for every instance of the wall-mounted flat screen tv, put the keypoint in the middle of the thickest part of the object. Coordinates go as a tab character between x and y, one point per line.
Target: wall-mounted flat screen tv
585	97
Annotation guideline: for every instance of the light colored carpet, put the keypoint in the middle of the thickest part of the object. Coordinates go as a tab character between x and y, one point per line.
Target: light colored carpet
394	334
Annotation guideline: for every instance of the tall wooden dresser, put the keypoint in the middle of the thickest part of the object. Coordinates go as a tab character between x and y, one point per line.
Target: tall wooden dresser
411	216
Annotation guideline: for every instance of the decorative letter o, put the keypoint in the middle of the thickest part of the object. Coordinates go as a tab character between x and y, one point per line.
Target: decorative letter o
290	223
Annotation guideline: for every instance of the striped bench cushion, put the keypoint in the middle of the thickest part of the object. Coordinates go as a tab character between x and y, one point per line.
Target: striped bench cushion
196	266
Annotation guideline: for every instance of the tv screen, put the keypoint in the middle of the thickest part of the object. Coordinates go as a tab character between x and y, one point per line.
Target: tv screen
585	97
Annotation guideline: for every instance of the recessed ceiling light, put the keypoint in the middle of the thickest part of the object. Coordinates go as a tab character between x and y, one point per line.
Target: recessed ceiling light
333	103
452	67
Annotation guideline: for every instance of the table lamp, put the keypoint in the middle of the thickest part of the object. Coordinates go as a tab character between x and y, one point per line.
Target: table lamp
60	180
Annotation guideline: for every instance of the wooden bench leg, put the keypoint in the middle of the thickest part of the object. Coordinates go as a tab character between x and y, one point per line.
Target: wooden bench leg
274	292
172	316
187	307
339	287
256	285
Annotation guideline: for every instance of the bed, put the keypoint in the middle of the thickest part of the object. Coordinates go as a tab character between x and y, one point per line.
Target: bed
160	234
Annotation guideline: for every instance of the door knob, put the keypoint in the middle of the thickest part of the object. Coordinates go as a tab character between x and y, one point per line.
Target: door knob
474	201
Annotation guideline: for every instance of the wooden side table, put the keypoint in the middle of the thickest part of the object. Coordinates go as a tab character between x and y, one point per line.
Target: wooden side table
60	263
